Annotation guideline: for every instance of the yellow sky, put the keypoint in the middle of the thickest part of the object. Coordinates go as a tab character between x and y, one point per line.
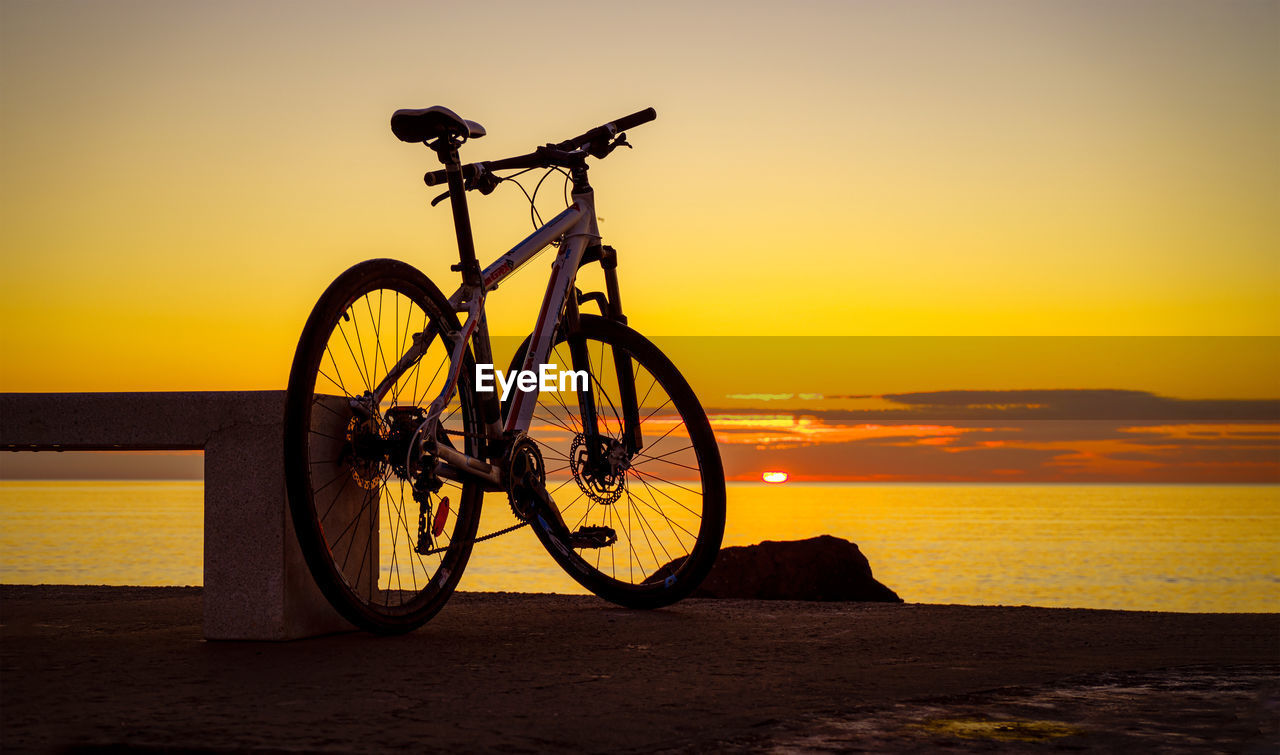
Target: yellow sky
179	181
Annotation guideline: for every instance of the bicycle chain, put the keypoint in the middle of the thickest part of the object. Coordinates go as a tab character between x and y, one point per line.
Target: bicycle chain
480	539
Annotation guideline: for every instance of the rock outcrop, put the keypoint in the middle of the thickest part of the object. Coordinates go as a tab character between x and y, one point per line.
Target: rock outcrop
820	568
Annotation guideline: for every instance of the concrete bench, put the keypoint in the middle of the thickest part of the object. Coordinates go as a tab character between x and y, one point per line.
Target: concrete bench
256	584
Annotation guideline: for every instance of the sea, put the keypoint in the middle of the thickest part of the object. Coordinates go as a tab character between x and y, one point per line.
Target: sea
1195	548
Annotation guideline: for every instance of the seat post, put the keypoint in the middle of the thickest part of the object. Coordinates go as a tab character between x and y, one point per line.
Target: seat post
447	150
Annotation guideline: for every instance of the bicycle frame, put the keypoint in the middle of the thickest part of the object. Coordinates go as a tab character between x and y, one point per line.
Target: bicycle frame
576	226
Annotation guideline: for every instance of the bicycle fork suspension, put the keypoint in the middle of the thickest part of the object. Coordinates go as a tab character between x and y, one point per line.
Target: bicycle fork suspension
610	304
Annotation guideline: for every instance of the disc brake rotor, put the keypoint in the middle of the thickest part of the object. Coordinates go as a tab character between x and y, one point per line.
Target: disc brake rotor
365	441
604	486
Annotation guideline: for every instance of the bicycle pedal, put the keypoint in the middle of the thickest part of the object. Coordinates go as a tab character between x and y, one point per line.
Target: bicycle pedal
593	537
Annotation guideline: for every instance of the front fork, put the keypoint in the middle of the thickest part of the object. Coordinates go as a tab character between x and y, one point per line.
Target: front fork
611	307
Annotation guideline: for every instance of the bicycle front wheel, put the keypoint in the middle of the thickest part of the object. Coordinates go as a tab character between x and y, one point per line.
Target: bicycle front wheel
665	503
387	558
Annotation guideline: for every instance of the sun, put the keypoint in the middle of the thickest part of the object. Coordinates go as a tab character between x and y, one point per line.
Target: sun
775	476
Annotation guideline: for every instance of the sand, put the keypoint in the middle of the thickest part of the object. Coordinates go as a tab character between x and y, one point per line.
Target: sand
85	668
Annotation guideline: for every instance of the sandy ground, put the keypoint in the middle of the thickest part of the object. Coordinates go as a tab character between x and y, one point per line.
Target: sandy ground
85	669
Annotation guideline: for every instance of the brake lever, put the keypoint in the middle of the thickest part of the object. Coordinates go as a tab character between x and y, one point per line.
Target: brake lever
485	183
603	148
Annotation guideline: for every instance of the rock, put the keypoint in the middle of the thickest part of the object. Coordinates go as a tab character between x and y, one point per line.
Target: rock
820	568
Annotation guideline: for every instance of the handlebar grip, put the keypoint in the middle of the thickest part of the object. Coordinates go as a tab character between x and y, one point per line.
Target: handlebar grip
434	178
635	119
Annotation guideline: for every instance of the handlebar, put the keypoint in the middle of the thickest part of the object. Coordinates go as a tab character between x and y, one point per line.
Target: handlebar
609	130
595	142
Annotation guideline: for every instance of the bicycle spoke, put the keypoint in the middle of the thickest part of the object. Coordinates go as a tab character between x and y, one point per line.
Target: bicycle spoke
650	489
653	382
402	383
655	411
663	456
410	537
608	401
671	524
370	379
644	527
664	435
364	506
416	399
664	461
315	401
630	546
613	563
377	336
551	449
393	568
357	361
346	480
577	428
656	536
553	421
330	437
668	482
570	505
364	559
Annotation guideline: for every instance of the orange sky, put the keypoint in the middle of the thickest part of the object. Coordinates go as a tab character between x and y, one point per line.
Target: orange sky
179	181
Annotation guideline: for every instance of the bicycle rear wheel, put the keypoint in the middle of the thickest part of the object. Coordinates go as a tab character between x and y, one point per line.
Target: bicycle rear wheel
665	503
386	559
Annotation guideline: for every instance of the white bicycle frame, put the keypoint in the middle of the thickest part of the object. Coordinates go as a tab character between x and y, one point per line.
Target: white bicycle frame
576	226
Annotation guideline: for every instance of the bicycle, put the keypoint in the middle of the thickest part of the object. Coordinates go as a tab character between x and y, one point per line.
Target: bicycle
619	477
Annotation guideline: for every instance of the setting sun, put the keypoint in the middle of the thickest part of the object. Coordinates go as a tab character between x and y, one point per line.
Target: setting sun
774	476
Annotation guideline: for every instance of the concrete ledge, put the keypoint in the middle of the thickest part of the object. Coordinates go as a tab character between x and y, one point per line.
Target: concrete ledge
256	584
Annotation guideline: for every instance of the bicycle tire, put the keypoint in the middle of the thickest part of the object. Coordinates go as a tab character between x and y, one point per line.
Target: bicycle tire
328	447
644	583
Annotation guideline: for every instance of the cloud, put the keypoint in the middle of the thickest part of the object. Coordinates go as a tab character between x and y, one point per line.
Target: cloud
1082	404
1048	435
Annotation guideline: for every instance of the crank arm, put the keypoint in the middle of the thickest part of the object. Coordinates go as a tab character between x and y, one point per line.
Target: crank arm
548	515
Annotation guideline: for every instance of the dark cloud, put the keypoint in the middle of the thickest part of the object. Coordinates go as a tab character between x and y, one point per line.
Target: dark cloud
1018	450
1201	455
1100	404
1216	441
1053	404
889	462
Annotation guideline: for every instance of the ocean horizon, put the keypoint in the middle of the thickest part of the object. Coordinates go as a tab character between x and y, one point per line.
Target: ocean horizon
1171	547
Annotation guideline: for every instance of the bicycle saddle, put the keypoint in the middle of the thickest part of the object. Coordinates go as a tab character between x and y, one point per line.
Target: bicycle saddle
430	123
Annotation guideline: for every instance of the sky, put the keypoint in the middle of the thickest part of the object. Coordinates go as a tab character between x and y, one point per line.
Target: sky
179	181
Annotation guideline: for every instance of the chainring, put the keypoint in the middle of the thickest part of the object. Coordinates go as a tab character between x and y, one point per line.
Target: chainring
524	467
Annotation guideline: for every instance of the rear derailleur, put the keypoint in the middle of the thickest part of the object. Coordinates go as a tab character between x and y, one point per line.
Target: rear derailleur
404	424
